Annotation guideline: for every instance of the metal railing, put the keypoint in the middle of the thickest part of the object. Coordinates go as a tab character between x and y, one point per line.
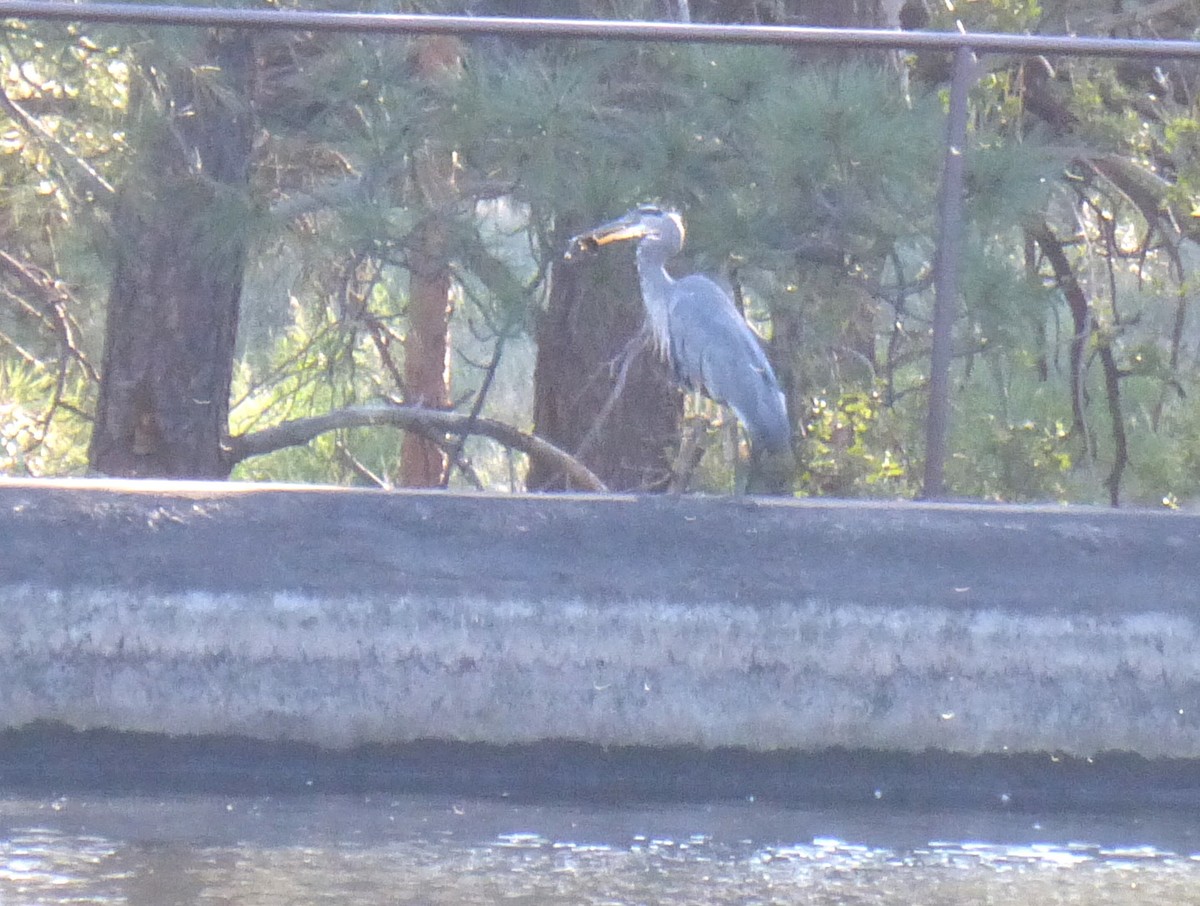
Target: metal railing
965	45
595	29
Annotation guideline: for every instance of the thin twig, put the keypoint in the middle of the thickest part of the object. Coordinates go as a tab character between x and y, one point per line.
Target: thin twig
358	467
476	407
95	182
54	299
626	357
381	336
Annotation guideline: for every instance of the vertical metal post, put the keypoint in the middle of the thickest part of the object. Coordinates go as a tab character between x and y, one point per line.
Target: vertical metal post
946	274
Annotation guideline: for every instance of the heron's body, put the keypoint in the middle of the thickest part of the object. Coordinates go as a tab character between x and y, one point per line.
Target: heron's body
698	328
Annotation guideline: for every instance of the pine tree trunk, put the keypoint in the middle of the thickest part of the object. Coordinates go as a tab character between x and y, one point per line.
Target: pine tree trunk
626	438
436	59
426	352
173	307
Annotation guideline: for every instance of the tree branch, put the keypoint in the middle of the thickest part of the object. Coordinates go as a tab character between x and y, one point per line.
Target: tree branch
1085	325
641	340
480	398
54	300
96	183
1112	392
1081	319
411	418
1148	192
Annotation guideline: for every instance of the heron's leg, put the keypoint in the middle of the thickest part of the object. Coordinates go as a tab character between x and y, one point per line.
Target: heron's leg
770	473
731	445
692	445
704	428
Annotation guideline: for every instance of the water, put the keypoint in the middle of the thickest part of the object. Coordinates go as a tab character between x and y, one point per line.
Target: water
363	850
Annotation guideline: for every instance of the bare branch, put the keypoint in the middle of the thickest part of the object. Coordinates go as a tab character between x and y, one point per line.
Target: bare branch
64	155
54	299
1081	318
480	398
360	468
411	418
23	353
640	341
1148	192
1085	327
359	296
1112	392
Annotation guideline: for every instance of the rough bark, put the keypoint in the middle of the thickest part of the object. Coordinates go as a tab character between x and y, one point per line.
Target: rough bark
618	415
435	59
181	249
426	352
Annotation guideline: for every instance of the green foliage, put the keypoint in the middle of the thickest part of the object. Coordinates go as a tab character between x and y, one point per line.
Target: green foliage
61	145
1009	182
813	190
38	434
1167	458
1006	16
314	367
1020	451
853	447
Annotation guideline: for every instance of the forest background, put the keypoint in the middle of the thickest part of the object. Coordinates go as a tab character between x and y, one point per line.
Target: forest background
231	253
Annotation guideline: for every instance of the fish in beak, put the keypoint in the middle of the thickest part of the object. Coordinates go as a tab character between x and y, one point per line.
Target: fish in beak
619	230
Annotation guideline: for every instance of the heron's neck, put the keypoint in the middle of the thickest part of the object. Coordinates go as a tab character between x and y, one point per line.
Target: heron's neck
656	291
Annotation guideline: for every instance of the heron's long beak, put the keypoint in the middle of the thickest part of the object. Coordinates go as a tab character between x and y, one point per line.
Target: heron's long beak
606	234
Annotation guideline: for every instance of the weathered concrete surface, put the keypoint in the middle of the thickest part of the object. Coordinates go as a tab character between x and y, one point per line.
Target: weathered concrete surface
341	617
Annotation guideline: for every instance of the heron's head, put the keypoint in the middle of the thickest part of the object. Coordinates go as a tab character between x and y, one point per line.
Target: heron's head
663	228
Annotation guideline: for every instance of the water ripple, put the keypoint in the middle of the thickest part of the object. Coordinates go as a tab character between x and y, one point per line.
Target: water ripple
394	850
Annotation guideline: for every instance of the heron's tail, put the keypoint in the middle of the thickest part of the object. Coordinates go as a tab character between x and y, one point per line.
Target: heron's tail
772	463
766	418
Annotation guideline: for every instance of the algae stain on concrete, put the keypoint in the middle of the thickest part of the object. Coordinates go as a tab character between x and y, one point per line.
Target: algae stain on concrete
804	674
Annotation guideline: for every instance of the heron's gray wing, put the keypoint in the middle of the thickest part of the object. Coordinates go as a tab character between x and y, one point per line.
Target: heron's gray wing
714	350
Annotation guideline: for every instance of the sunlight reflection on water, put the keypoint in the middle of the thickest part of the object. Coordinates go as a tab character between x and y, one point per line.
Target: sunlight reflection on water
364	850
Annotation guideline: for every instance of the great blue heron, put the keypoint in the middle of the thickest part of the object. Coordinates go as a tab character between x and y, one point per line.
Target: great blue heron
696	325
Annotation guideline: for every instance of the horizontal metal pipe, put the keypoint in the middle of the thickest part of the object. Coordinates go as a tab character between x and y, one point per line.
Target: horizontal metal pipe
594	29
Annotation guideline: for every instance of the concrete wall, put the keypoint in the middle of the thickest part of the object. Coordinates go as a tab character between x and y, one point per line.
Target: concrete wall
342	617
